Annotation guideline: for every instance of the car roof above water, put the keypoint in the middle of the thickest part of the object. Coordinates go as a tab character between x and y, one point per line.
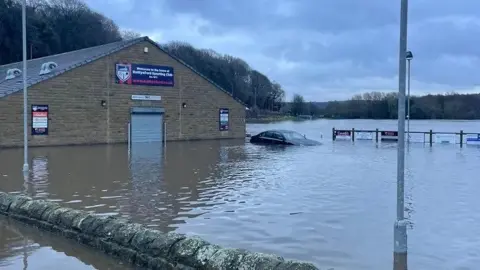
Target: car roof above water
280	130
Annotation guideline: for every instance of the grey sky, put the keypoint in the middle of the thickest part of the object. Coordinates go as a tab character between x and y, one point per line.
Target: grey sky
322	49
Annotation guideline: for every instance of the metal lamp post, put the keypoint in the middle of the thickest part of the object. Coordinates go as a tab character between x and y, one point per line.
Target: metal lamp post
400	227
409	57
25	94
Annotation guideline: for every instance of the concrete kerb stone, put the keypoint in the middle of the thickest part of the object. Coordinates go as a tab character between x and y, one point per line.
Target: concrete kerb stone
225	258
37	208
292	265
124	235
135	243
184	251
17	202
5	202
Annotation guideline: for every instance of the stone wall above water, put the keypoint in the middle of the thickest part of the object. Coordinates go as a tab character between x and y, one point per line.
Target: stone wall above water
135	243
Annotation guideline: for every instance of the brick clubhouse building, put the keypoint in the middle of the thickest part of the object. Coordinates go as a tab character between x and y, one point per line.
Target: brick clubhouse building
106	93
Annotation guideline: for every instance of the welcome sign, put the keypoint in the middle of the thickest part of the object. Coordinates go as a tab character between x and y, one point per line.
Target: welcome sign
142	74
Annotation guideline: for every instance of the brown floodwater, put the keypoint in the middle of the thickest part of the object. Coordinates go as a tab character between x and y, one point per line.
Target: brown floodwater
332	204
25	247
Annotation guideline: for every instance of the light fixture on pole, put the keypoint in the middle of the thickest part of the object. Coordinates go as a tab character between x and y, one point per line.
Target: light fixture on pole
400	227
409	57
25	93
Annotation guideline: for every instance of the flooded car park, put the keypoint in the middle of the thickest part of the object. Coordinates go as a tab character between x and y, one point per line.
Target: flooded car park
333	205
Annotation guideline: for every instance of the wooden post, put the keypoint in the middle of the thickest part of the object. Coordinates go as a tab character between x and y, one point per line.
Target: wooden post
431	137
376	135
461	138
353	134
333	134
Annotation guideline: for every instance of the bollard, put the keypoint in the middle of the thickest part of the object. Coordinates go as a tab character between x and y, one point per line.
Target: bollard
333	134
461	138
376	135
431	137
353	134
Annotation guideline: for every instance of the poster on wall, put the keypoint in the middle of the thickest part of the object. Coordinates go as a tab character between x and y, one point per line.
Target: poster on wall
39	119
141	74
223	119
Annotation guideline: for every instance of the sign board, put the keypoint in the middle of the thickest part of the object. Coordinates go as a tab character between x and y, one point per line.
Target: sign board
343	134
473	139
391	136
444	138
223	119
416	137
146	97
364	136
39	119
141	74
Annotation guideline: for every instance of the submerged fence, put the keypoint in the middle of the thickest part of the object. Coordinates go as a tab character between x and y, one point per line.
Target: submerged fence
431	137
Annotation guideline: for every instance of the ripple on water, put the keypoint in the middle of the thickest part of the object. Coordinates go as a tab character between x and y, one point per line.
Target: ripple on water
94	206
333	205
73	201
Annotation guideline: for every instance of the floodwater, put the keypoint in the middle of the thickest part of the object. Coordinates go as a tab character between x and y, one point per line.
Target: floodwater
24	247
333	205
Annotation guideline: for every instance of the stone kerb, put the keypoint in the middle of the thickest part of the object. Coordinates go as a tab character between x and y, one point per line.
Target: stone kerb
135	243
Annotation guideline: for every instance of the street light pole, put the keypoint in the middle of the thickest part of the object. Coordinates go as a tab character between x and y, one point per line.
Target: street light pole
409	57
400	227
25	93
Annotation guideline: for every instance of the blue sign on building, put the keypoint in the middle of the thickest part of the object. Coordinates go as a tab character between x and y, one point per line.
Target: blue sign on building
140	74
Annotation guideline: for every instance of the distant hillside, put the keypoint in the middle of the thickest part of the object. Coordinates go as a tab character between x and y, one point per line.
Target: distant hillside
65	25
377	105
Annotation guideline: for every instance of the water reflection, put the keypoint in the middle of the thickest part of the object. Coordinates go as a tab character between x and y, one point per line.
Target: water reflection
25	247
166	189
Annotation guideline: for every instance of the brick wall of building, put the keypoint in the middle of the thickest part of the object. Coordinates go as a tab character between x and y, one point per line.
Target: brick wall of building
77	117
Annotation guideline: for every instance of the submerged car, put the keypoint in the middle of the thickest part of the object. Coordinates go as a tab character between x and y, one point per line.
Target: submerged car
282	137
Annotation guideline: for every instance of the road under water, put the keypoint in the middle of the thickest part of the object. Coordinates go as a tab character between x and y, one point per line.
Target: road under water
333	204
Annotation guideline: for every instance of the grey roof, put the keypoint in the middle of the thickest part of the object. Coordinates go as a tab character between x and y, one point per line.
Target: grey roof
70	60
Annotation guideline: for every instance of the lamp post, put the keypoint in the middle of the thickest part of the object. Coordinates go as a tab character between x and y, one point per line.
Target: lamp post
409	57
400	227
25	94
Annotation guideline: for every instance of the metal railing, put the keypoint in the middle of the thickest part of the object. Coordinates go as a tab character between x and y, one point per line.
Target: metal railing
392	135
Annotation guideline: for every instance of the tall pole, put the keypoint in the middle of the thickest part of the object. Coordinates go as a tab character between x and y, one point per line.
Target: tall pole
25	94
400	227
408	100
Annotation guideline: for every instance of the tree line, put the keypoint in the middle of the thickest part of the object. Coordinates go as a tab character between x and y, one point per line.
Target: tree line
58	26
53	27
378	105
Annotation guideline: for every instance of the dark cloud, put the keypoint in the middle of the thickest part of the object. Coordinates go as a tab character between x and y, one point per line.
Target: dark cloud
323	49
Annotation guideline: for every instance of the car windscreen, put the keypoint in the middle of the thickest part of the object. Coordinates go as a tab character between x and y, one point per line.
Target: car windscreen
290	135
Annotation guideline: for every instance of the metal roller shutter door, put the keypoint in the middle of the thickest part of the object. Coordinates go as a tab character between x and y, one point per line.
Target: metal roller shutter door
146	127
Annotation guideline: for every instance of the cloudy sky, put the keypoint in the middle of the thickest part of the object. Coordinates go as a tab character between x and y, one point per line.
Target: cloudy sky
322	49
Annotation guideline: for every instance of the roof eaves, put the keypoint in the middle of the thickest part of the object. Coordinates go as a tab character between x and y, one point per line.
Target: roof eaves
194	70
76	65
